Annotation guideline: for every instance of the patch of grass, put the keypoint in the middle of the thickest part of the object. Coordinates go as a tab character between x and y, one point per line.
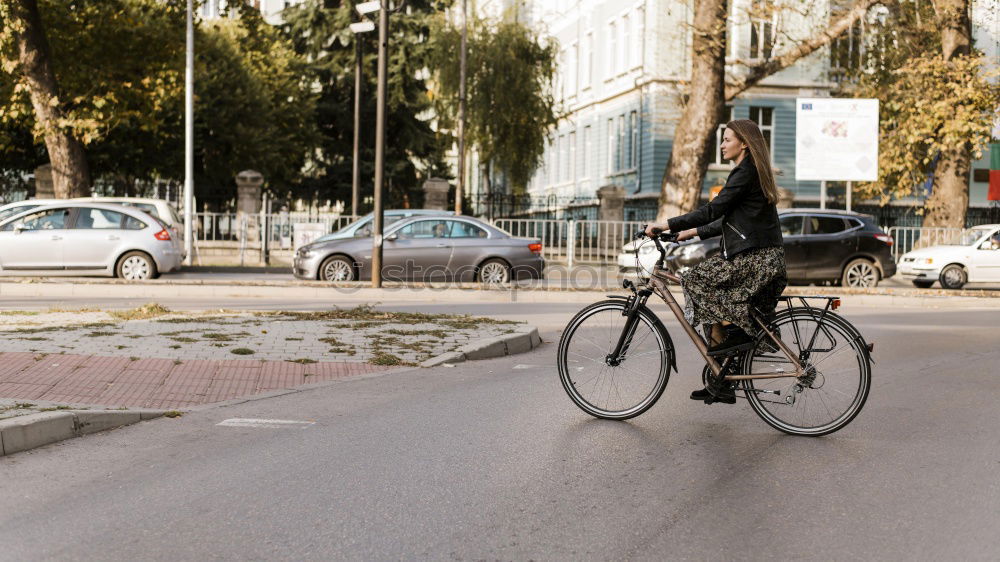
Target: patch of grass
173	414
218	344
332	341
178	362
34	338
175	346
183	339
19	313
293	339
99	334
217	337
84	309
133	358
242	351
92	325
34	330
23	405
440	334
144	312
120	346
382	358
135	336
190	320
343	350
302	361
54	408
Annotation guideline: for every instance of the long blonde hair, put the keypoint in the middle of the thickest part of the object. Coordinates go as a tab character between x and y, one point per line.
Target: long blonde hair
749	134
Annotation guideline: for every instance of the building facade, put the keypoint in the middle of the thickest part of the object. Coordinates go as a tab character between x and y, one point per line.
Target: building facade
622	76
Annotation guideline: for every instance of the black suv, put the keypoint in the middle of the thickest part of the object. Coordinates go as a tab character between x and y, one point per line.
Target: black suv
820	245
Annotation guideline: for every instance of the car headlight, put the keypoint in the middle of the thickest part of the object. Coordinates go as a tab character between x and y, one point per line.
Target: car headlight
925	261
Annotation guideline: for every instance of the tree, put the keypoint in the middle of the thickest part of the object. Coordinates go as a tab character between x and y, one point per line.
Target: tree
709	91
24	33
510	107
935	111
414	150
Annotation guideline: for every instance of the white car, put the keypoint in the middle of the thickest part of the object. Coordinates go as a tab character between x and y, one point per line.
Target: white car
81	238
972	257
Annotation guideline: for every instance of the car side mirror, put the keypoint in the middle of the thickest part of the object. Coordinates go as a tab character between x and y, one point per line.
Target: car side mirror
392	237
19	227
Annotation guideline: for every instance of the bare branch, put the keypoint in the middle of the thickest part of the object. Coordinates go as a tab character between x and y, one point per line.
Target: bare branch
759	71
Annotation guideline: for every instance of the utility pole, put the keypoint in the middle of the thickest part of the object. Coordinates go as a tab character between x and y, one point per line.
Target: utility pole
189	139
383	59
460	184
356	180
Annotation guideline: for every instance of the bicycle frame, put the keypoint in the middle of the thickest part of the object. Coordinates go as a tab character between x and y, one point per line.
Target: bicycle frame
658	282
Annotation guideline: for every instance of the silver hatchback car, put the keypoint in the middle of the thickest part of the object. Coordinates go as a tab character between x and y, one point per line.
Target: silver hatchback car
77	238
427	248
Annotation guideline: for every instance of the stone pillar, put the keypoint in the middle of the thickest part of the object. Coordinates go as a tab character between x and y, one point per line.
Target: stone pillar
436	194
44	189
612	198
249	186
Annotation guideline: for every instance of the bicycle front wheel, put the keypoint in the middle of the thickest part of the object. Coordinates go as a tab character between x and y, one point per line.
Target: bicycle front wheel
614	388
838	374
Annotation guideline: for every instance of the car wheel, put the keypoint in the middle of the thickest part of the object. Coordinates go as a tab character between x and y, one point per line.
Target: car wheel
860	273
136	266
336	268
494	271
953	277
923	284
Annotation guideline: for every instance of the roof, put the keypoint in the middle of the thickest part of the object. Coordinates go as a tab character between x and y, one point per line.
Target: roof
817	210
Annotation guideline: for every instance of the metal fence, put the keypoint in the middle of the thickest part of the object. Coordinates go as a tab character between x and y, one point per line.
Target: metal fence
907	238
575	241
250	230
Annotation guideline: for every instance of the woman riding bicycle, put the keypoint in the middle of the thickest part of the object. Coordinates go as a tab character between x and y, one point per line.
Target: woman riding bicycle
749	274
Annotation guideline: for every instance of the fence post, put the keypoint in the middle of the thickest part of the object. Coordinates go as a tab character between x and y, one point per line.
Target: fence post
570	243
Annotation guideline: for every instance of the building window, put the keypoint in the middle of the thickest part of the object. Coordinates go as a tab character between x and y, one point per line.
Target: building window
727	116
764	118
572	157
613	39
633	145
625	47
574	54
620	156
554	162
847	51
611	146
762	29
587	140
638	28
563	159
588	59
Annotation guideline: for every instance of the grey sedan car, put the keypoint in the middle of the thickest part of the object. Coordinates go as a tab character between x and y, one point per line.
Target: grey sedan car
75	238
427	248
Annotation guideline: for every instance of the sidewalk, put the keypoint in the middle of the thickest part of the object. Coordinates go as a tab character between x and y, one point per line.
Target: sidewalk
151	358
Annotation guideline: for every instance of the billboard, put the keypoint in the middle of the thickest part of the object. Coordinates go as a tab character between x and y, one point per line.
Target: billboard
836	139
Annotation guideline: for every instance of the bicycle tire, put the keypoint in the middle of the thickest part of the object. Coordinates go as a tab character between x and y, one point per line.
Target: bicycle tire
661	360
852	340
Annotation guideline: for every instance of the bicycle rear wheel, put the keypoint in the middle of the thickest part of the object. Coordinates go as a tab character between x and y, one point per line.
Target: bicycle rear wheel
610	389
838	374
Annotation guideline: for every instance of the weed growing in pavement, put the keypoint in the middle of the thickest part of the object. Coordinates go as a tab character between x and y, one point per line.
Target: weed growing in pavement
173	414
23	405
440	334
242	351
34	330
386	359
121	346
293	339
133	358
99	334
175	346
144	312
183	339
19	313
178	362
302	361
217	337
332	341
54	408
34	338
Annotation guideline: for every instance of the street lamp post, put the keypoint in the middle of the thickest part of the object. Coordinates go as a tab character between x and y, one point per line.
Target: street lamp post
383	59
189	138
357	28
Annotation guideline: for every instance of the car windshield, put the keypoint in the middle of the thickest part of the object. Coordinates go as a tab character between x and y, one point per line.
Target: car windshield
969	236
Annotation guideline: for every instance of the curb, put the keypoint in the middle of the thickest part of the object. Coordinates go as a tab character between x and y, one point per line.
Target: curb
524	341
35	430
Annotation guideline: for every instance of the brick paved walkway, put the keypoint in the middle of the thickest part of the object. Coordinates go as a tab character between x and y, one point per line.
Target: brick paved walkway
155	383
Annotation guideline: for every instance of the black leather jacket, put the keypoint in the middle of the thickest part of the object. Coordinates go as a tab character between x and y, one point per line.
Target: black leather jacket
740	213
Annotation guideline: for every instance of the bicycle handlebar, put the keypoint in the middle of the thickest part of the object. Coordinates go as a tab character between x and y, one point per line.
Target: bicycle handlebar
661	237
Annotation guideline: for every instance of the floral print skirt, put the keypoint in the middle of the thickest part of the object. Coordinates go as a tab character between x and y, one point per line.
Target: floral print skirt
718	289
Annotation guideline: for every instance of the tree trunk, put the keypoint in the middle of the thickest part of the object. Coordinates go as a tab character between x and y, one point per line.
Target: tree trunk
70	173
693	137
949	199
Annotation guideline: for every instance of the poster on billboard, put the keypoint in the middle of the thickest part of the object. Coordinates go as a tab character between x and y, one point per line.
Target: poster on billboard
836	139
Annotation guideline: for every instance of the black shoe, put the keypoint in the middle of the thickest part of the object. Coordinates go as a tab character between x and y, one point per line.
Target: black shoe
726	395
736	341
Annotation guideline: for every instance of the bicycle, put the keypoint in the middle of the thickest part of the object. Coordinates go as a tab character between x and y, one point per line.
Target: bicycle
812	386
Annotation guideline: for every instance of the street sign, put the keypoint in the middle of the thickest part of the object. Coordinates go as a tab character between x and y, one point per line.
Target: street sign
836	139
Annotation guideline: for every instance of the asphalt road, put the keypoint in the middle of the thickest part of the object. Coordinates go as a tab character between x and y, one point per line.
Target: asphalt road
490	460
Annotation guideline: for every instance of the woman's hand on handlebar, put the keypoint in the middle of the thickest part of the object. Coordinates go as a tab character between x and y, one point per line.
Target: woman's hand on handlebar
653	229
